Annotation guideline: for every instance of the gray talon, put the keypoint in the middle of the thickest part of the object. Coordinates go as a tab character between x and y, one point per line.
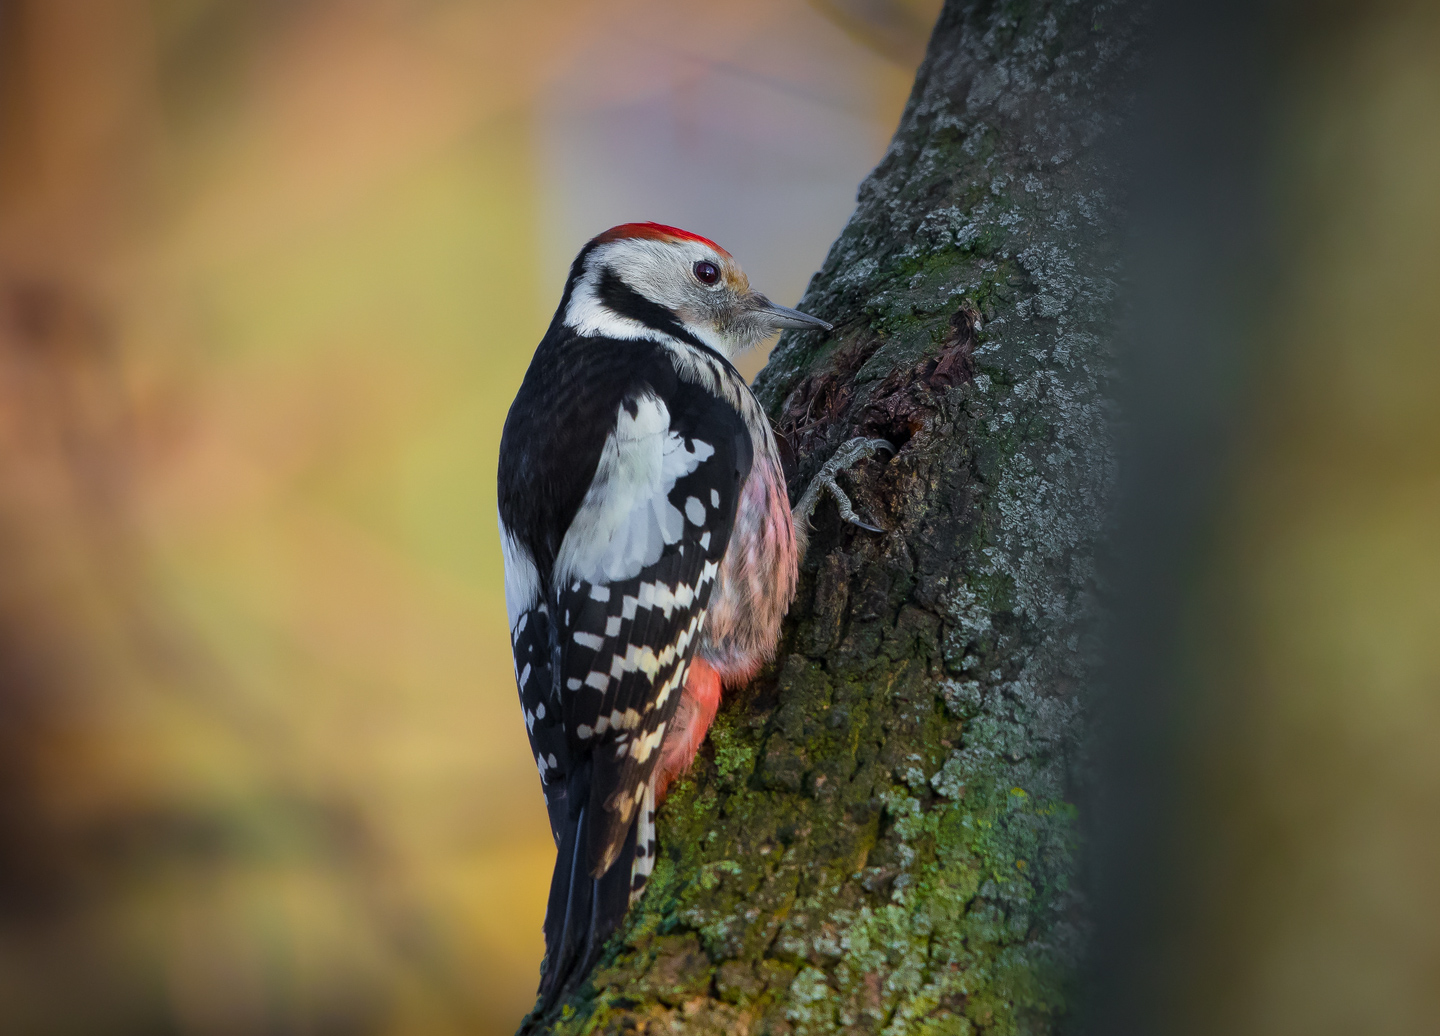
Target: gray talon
848	454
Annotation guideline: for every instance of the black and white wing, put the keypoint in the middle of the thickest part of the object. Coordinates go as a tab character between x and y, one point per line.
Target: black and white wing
635	574
608	637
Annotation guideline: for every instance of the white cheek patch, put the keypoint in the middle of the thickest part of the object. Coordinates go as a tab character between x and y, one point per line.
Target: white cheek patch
626	520
592	318
645	264
659	272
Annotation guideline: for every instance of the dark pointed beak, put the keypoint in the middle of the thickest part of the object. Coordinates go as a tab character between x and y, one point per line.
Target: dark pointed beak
784	316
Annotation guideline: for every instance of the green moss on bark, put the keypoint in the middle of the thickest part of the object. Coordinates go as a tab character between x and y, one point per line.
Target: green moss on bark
879	836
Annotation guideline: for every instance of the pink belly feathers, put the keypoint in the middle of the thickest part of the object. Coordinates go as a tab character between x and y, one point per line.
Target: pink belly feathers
753	591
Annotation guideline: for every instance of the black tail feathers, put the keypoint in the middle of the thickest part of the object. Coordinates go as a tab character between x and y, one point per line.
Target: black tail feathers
583	911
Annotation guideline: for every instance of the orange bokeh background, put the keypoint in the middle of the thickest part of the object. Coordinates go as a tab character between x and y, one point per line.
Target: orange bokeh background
272	273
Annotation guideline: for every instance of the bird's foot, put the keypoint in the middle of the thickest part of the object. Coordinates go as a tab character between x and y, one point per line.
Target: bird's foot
849	453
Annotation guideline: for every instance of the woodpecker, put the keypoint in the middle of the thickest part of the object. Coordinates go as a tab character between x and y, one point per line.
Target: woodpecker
650	551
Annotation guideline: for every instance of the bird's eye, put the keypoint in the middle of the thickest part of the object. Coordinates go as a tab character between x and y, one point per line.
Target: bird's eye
706	273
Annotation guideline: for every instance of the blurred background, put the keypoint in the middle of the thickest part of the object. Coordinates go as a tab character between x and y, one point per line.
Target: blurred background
270	274
1270	837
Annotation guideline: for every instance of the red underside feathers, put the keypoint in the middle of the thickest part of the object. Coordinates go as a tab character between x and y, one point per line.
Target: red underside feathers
698	704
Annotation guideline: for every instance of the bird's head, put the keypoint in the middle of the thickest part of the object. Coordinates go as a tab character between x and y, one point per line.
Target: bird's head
638	279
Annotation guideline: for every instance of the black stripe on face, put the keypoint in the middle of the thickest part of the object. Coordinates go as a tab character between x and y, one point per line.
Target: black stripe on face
625	301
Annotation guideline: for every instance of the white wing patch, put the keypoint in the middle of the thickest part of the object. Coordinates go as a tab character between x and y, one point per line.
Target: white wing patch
626	520
522	578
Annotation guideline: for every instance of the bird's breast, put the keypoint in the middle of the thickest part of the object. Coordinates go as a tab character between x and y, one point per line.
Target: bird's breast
757	576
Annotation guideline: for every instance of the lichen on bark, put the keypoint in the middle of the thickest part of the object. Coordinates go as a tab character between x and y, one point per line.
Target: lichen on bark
880	836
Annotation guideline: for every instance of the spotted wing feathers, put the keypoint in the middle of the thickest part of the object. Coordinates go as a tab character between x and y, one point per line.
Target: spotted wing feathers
624	563
535	646
623	662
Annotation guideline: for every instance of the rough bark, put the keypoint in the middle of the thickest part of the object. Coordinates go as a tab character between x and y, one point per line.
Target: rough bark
881	834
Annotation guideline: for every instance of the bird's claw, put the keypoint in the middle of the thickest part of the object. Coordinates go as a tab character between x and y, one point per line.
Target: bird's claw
849	453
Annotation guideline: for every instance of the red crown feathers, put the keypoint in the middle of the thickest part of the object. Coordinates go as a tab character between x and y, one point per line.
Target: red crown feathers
655	231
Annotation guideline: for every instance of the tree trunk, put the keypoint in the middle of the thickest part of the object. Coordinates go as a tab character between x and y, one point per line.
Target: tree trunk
880	835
